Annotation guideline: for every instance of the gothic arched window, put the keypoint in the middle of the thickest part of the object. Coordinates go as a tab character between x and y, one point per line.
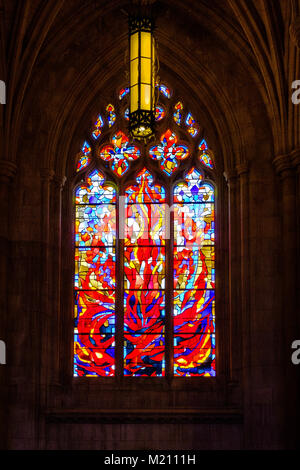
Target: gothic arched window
144	283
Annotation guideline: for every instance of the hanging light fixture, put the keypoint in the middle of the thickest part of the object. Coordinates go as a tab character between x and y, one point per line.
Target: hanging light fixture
142	76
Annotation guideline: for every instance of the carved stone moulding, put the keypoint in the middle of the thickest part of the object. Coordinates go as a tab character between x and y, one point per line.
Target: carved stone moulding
8	170
288	163
136	416
46	174
242	168
233	174
59	181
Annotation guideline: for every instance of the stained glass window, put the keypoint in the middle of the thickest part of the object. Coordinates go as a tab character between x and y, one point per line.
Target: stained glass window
95	278
123	92
85	157
119	153
178	108
203	145
98	127
144	275
165	90
126	114
206	159
192	126
144	278
159	113
111	116
204	156
168	152
194	277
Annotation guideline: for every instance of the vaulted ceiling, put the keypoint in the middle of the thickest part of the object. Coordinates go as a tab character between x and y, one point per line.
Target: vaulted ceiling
234	61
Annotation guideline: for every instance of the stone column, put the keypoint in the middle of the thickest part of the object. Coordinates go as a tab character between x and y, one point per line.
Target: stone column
234	274
55	269
43	361
7	173
66	308
243	173
295	158
290	315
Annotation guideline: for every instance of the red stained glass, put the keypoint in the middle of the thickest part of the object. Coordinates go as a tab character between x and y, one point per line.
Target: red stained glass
94	335
123	92
168	152
85	157
144	281
119	153
94	280
203	145
205	157
194	277
145	190
98	127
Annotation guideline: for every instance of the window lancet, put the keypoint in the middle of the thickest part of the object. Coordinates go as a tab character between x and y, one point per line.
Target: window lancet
95	278
194	283
145	292
144	278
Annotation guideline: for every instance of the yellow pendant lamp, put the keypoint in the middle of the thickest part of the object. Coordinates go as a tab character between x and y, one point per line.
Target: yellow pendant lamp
142	71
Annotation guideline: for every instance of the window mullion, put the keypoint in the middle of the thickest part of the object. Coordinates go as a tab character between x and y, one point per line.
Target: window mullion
119	293
169	269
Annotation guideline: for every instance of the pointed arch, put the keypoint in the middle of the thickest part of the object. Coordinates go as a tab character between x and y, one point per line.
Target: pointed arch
145	292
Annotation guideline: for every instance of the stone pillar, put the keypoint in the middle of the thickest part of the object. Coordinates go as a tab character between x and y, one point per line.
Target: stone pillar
234	274
295	158
7	173
290	316
243	173
55	269
66	309
43	361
